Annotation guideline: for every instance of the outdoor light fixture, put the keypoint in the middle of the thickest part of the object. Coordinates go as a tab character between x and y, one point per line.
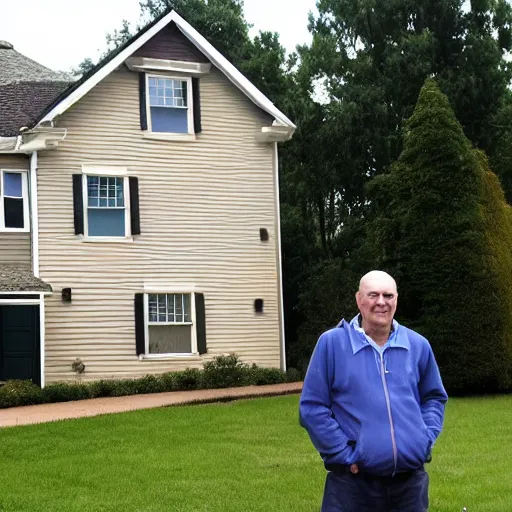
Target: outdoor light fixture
263	235
258	305
66	294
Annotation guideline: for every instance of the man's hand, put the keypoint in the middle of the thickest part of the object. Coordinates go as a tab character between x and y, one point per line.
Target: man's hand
354	469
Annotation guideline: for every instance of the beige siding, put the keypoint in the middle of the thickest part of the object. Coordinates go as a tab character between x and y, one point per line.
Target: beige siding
14	247
202	204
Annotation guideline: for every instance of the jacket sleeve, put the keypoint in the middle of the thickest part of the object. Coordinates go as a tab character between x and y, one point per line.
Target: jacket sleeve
433	396
315	412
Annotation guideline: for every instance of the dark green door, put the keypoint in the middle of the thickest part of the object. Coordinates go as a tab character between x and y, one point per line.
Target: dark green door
19	343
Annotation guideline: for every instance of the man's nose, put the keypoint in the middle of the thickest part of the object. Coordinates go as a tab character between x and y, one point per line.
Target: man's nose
380	300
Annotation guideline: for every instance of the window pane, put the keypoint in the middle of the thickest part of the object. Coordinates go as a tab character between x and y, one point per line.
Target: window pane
13	211
152	82
170	308
152	307
186	304
170	339
12	184
105	222
169	120
179	308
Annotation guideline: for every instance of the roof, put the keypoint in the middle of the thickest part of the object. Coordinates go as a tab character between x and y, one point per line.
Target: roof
15	67
26	88
77	90
20	279
22	103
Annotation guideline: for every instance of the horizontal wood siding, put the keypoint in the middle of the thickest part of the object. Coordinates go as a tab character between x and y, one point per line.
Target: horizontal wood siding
15	247
202	205
170	44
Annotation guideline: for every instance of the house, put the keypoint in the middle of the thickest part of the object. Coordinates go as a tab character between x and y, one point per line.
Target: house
139	215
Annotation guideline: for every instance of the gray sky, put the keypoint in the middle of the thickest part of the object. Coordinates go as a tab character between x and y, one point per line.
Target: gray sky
60	33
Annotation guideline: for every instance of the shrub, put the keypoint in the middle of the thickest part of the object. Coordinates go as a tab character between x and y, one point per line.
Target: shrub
442	227
20	392
64	392
188	379
293	375
264	376
225	372
169	381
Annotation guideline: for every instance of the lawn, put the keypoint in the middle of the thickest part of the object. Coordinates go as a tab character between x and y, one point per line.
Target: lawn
239	456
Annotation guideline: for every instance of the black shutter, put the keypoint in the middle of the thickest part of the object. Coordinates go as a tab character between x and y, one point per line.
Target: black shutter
142	102
196	98
140	331
78	204
200	323
134	205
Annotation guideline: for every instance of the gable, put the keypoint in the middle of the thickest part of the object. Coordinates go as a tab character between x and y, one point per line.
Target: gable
170	44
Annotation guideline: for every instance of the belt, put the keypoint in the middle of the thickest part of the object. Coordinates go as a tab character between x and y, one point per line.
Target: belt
343	469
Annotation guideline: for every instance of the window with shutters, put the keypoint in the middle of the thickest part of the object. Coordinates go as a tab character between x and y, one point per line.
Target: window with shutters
170	321
14	210
106	206
168	104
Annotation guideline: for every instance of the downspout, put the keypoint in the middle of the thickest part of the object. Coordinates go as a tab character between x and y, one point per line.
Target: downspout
34	231
34	214
280	303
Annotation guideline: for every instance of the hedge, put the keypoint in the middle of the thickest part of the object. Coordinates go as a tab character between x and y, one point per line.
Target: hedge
221	372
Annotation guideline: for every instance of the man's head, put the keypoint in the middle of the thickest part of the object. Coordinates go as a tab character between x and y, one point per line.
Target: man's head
377	299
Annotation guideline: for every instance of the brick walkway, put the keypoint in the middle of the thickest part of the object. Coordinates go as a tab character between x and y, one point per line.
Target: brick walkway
83	408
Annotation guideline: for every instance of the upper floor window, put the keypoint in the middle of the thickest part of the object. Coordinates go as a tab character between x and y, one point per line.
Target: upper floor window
106	206
169	104
14	211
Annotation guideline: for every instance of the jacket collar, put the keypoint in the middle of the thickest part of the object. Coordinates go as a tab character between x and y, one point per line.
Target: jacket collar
398	338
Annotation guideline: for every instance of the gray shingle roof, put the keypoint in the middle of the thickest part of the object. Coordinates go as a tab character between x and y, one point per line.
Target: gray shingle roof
26	89
20	279
15	67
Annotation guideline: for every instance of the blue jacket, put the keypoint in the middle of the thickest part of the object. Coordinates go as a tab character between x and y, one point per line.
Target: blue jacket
392	405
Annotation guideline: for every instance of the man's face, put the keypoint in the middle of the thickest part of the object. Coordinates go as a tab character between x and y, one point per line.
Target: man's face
376	300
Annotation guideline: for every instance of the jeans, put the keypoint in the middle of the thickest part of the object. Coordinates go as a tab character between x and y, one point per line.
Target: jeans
366	493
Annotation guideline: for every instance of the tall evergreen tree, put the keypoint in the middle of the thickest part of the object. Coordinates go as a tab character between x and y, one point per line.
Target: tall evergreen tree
443	231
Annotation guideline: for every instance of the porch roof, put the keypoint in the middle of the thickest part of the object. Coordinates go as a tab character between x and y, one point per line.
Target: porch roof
21	279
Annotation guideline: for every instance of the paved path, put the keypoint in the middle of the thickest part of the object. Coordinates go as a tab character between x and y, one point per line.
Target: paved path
83	408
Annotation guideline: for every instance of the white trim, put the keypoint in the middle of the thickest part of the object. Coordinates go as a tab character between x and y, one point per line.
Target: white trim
192	324
145	64
165	357
35	292
20	302
104	170
279	258
177	137
190	109
201	43
127	211
25	197
42	337
34	215
156	288
275	133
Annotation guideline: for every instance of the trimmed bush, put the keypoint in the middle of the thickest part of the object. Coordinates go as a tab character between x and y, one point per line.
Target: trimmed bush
293	375
226	372
442	231
221	372
20	392
265	376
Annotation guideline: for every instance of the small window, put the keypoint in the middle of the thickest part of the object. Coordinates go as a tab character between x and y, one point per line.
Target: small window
14	199
169	104
107	197
169	322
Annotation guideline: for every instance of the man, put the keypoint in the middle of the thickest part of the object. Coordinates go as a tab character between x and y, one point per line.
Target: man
373	405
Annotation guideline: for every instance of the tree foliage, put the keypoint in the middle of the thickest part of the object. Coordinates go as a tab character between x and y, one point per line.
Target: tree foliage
443	232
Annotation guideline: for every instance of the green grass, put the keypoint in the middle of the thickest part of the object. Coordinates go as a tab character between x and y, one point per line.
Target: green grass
239	456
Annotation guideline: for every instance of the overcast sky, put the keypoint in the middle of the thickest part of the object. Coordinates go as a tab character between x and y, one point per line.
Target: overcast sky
61	33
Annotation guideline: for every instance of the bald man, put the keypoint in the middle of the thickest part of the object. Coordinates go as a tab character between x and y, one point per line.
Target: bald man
373	405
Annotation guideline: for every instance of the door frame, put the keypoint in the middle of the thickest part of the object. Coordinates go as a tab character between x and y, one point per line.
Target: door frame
23	298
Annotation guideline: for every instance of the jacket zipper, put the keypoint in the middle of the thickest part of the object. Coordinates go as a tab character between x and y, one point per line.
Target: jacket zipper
388	404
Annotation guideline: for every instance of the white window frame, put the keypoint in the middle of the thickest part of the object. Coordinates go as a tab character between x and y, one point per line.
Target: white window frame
106	172
190	105
192	323
24	193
